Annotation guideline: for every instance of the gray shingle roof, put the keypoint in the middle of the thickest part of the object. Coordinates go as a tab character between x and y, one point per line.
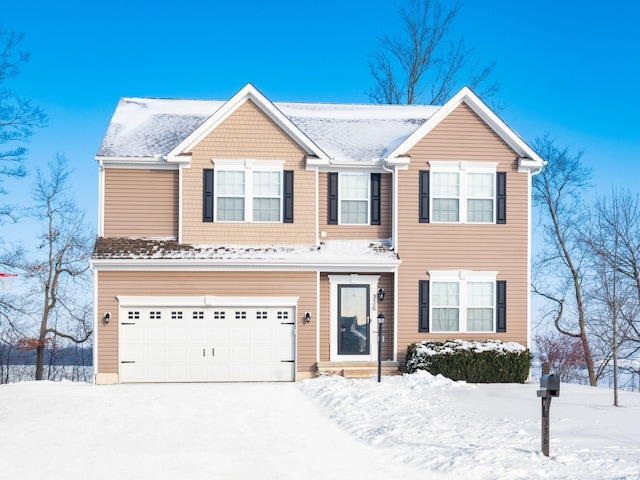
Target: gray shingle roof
148	127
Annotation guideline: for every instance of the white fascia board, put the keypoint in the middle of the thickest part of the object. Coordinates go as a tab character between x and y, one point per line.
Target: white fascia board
338	265
467	96
152	163
248	92
530	165
337	164
399	163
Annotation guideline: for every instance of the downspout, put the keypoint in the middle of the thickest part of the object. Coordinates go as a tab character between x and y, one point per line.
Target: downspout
180	203
94	354
394	202
318	270
394	246
101	175
529	259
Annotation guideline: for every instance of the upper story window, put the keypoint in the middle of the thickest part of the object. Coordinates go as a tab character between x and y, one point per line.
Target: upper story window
353	198
249	191
462	301
462	192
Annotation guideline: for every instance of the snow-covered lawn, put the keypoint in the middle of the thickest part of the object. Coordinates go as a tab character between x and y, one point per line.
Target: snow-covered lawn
413	426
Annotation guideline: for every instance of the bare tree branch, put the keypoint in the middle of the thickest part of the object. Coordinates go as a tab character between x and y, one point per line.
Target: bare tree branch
423	58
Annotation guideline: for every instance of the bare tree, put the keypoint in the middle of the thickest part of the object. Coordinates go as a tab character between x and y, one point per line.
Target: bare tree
614	238
424	64
561	269
18	117
60	273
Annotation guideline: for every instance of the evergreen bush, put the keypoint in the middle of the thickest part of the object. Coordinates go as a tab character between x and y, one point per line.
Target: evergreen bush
490	361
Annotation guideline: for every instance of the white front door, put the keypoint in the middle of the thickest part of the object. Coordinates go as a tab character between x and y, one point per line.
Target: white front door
353	325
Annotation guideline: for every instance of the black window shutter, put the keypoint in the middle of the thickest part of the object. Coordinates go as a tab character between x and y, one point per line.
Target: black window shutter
424	196
287	197
375	199
423	313
207	195
501	306
332	207
501	197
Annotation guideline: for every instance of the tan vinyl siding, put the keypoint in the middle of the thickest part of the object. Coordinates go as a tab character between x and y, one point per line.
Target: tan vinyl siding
427	246
347	232
140	203
162	283
249	134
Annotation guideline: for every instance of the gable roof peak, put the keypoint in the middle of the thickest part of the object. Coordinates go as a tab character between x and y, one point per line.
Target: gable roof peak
467	96
246	93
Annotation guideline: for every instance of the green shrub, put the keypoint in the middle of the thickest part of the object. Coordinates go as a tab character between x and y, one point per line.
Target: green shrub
488	361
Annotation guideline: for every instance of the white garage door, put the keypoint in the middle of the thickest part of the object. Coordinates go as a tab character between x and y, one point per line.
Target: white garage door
229	344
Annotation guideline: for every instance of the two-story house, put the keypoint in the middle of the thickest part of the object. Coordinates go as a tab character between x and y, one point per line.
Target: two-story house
246	240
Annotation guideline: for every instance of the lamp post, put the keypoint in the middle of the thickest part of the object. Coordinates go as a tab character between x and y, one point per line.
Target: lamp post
380	322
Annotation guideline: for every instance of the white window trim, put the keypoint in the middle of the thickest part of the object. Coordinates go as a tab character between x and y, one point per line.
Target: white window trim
463	277
462	167
248	166
340	198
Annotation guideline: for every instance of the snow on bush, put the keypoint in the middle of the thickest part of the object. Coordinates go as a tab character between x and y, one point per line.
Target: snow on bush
489	361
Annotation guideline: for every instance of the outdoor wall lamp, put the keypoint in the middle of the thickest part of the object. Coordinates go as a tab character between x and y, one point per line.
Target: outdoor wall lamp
381	294
107	317
307	317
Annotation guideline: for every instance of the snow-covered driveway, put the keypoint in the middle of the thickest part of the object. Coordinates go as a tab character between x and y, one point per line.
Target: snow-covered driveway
178	431
412	426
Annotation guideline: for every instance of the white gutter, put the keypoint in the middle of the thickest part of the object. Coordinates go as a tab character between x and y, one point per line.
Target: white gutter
335	265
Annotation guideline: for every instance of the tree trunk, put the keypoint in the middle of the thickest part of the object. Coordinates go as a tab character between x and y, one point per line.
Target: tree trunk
39	362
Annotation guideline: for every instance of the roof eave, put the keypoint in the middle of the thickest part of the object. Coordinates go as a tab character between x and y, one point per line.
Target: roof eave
338	264
154	162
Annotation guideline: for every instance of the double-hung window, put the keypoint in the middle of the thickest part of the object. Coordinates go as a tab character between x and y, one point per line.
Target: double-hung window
462	192
230	201
462	301
353	198
248	191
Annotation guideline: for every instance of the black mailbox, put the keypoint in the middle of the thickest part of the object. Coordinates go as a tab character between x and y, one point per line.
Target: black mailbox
550	383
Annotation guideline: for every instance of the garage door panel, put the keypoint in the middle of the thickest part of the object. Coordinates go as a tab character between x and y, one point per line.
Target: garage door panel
210	344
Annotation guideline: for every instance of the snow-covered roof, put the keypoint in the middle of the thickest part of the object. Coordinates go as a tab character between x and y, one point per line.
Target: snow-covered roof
342	253
151	127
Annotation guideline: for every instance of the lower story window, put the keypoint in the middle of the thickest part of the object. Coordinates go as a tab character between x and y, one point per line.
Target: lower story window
462	301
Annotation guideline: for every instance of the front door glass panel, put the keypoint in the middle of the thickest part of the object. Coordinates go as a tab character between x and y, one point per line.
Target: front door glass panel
353	320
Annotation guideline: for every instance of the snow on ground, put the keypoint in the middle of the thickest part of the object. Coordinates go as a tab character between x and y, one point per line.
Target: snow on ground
488	431
412	426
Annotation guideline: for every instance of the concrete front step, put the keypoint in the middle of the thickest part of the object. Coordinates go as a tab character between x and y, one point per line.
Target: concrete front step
357	369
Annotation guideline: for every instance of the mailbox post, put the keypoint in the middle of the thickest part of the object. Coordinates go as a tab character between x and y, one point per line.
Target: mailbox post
549	388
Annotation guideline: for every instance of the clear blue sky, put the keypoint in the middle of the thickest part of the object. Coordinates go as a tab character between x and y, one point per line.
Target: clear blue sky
570	68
